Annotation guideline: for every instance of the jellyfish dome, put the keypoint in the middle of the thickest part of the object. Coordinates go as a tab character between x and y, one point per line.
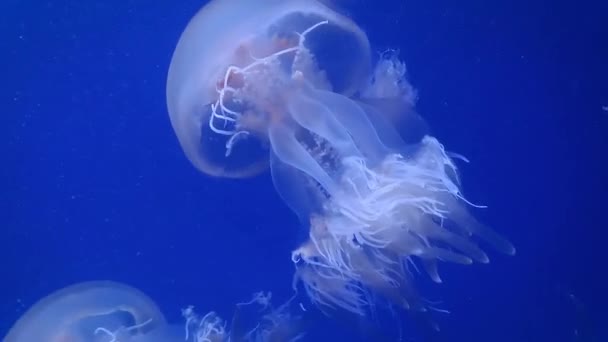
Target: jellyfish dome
291	84
99	311
242	71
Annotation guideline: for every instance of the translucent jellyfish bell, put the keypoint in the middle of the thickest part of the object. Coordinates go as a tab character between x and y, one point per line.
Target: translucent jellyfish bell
237	67
105	311
90	311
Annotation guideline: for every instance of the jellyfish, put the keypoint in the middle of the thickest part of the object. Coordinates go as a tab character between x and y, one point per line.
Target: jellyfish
106	311
96	311
294	85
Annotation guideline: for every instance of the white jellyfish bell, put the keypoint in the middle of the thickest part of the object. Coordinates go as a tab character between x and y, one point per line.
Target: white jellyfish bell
107	311
251	71
291	84
100	311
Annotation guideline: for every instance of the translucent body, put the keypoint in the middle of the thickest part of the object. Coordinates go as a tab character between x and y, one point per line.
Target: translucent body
91	311
105	311
294	80
227	33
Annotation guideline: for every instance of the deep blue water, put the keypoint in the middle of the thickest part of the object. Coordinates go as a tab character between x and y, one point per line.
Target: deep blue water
95	186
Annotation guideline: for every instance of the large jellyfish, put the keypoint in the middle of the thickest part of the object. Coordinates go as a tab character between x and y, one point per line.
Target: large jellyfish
291	84
106	311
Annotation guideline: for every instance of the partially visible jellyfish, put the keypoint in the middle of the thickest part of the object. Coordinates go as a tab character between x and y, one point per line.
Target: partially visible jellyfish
105	311
291	84
98	311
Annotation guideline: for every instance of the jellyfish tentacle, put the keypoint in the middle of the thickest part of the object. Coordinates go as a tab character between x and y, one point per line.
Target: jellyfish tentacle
289	150
107	332
318	119
354	119
219	109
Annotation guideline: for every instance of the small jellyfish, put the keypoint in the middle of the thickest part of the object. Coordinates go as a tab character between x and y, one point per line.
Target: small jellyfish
105	311
99	311
291	84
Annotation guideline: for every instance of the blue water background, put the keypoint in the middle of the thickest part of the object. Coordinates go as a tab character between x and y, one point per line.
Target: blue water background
95	186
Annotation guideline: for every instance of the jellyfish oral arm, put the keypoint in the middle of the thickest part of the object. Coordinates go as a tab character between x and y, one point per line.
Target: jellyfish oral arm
317	118
289	150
